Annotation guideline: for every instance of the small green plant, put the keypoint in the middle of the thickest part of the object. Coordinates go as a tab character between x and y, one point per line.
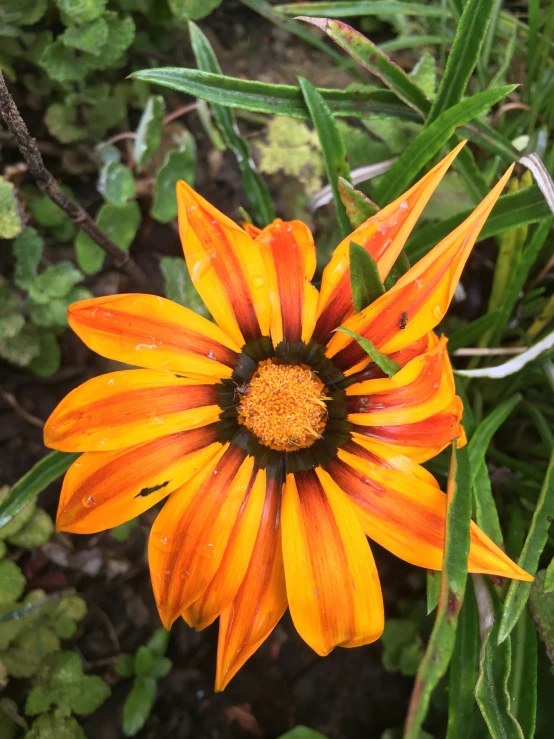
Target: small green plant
146	667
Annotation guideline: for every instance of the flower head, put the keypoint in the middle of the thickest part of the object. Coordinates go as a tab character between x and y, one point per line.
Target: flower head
277	442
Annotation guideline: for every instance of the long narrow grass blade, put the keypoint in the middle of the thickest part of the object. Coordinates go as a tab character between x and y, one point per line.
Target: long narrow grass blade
518	591
261	97
523	675
515	364
467	335
332	147
254	185
453	583
464	669
430	141
33	482
491	690
343	9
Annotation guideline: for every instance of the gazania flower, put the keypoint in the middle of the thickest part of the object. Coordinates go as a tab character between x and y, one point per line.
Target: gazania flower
277	442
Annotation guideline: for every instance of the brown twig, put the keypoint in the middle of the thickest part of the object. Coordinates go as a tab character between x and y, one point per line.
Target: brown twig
48	184
11	400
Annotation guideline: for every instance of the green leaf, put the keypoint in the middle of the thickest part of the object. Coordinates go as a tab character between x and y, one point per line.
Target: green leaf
332	146
55	282
18	521
62	63
93	691
45	211
144	659
402	646
192	10
470	34
21	348
357	101
491	690
453	584
430	141
121	32
11	324
116	183
343	9
149	131
27	488
12	582
38	701
138	705
27	252
424	74
481	439
54	726
89	37
518	592
160	667
302	732
158	642
65	628
10	222
541	604
179	286
48	361
358	206
464	669
61	121
549	577
35	533
433	589
179	165
120	223
71	606
254	186
82	11
522	684
123	532
517	209
389	366
365	280
125	665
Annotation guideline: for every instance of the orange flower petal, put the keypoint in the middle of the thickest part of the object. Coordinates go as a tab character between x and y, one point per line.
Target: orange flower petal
104	489
289	256
383	236
419	299
261	599
153	332
225	266
122	409
332	583
423	387
236	559
251	229
407	517
421	440
189	537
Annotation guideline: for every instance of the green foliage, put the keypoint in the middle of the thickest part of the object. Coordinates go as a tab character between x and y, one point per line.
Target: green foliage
364	277
389	366
10	220
192	10
120	223
147	665
402	646
149	131
302	732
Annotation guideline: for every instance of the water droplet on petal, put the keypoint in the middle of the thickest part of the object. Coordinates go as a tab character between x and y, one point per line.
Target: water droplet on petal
438	312
88	501
259	282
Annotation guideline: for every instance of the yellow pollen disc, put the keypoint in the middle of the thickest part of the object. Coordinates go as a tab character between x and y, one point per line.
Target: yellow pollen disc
284	406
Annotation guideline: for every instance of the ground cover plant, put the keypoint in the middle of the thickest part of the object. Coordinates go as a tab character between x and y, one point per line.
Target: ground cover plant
418	138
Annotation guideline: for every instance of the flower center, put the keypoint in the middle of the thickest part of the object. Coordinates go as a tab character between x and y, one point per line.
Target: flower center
284	406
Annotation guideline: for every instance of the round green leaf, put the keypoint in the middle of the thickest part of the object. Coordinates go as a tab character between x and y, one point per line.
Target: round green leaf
12	582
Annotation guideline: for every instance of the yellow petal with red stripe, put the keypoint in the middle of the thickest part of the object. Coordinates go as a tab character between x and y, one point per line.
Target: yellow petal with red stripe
104	489
423	387
289	256
189	537
236	559
407	517
225	266
421	440
332	583
419	300
148	331
122	409
383	236
261	599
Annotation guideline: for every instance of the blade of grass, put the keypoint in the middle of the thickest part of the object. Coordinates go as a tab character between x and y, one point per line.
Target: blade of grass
357	205
488	41
261	97
343	9
364	278
412	42
467	335
491	691
510	211
430	141
464	669
518	592
254	186
389	366
33	482
453	583
332	147
433	589
470	33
